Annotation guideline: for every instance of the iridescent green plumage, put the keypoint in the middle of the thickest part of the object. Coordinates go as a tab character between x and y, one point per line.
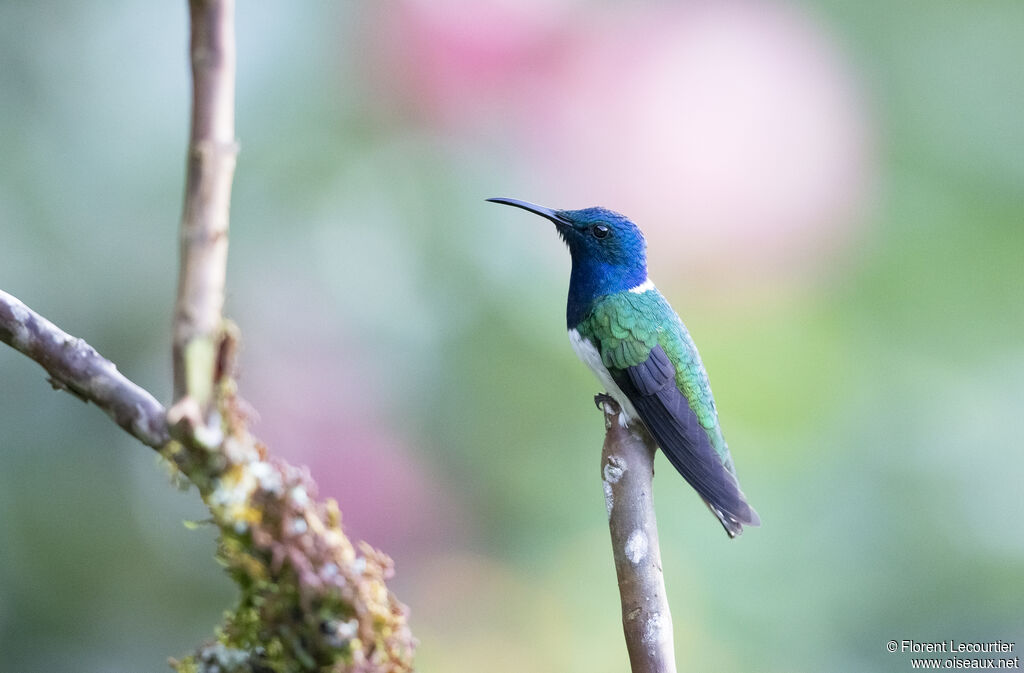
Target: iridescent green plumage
625	326
624	330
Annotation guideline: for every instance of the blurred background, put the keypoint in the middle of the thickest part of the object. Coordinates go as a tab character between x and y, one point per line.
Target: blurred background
833	194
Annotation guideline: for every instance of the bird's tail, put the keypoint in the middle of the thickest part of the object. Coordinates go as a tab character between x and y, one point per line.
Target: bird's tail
734	525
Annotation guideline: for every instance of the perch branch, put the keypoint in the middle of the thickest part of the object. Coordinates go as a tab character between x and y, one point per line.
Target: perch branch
627	469
75	366
204	225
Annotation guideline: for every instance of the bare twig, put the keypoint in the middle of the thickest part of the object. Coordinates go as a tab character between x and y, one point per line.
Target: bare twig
204	226
75	366
627	469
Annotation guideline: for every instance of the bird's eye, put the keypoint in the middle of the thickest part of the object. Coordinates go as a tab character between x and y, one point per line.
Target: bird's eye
600	230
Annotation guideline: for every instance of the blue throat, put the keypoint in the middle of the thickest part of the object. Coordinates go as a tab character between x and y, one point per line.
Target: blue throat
590	280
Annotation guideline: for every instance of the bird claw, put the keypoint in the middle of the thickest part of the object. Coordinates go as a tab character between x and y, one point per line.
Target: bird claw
606	403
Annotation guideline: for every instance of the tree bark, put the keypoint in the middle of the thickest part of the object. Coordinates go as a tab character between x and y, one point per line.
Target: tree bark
75	366
627	470
204	223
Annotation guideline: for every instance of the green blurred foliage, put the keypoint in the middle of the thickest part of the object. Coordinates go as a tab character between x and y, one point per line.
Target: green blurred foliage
873	411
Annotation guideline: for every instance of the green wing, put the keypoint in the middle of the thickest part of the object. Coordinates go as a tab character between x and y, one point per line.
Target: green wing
628	325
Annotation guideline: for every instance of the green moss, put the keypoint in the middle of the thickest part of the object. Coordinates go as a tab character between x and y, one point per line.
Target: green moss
308	602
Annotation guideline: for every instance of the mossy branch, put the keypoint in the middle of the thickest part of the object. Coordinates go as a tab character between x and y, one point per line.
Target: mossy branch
311	601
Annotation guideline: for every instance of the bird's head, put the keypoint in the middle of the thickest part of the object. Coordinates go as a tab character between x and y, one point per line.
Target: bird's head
609	254
597	237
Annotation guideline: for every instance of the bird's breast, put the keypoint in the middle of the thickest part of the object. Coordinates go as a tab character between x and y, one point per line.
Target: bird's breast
588	353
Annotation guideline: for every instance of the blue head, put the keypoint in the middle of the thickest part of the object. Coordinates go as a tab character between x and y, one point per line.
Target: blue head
609	253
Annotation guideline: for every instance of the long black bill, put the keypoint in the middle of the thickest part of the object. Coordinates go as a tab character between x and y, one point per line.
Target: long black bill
534	208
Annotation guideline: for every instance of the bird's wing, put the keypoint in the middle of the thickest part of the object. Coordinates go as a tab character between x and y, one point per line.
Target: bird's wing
676	407
664	409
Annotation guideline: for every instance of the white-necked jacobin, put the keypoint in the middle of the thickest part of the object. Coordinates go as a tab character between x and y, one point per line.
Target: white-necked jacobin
626	332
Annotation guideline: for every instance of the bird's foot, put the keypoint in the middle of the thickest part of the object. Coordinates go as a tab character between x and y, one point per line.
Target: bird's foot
606	403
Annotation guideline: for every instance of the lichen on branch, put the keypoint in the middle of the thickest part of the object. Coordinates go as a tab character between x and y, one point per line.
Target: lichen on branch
310	600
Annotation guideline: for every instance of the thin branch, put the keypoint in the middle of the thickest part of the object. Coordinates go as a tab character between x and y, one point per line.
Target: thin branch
204	226
75	366
627	469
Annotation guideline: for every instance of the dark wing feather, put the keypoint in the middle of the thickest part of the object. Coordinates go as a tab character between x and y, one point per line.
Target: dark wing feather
663	408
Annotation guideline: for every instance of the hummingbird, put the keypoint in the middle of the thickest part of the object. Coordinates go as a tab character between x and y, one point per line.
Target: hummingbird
622	327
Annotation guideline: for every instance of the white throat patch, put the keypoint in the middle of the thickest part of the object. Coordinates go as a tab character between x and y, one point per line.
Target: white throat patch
642	287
